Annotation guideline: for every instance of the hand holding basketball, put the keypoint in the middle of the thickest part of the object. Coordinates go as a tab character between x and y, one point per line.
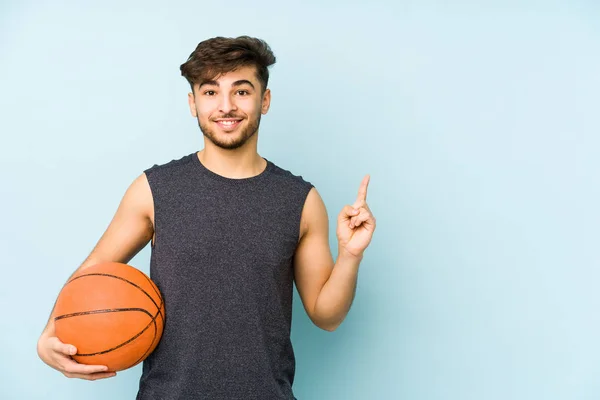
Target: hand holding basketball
58	355
112	313
107	318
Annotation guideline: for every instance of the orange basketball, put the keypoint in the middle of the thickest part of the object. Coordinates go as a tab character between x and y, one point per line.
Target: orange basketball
113	313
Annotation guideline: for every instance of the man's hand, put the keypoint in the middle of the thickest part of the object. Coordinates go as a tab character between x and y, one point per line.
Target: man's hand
356	224
58	355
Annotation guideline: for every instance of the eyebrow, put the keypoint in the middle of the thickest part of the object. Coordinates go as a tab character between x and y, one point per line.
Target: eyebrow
234	84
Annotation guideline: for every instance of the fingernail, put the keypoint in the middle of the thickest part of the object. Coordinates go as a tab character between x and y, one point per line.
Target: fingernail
72	350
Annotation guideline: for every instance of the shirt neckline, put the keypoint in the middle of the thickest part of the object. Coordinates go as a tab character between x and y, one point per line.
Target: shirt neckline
225	179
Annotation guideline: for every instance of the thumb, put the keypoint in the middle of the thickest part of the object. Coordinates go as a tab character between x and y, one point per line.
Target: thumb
60	347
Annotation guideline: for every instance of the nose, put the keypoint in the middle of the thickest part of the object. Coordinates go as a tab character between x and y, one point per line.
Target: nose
227	104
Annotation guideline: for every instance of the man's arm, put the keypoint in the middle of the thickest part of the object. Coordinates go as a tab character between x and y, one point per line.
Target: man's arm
327	289
129	232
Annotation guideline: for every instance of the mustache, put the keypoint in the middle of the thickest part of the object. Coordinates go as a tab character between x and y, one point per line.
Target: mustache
228	115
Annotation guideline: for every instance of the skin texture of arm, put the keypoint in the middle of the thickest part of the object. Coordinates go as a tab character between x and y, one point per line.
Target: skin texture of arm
130	230
327	289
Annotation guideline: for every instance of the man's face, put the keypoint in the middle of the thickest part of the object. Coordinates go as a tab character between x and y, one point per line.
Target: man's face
229	108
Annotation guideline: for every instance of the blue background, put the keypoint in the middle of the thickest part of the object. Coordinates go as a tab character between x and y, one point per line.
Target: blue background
479	125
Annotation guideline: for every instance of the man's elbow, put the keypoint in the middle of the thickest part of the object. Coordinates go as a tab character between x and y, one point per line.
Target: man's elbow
327	319
329	327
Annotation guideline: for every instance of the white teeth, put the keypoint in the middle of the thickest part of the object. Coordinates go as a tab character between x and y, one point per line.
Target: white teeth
227	122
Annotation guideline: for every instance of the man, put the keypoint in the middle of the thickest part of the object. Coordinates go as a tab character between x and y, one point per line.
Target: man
230	232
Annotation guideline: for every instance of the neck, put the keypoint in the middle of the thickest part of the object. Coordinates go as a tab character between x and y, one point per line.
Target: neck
240	163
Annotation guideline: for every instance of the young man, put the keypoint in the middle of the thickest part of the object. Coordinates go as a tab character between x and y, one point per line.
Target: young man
230	232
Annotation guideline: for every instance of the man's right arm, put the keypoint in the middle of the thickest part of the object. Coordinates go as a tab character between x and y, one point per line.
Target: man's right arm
130	230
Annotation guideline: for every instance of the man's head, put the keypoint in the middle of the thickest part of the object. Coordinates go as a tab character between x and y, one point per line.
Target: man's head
229	78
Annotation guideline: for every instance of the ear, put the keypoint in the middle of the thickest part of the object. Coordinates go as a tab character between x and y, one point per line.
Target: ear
266	102
192	104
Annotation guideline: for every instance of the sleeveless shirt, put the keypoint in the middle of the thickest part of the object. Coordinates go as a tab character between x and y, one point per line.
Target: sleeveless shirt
222	259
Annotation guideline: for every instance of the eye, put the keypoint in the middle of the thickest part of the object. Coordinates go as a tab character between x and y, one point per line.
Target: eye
243	92
210	93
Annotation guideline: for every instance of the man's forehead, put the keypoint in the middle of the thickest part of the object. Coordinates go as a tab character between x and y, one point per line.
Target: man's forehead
242	73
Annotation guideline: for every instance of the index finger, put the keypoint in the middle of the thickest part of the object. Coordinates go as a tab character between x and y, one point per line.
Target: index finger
362	190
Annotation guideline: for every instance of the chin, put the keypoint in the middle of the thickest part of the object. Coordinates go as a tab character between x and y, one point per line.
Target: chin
230	143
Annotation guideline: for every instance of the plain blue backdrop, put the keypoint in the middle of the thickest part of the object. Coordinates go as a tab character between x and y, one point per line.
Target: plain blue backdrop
478	123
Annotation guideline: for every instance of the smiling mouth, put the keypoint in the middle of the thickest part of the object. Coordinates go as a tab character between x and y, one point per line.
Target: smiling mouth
228	124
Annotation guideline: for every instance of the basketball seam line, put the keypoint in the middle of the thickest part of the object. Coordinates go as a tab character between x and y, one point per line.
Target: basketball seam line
125	280
152	320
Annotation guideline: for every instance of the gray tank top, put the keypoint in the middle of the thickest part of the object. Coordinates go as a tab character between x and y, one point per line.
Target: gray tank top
222	259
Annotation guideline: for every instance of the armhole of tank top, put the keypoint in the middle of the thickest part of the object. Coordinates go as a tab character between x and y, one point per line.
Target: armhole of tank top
154	236
308	187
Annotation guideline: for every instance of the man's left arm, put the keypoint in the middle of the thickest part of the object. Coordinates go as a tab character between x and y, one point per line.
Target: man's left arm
327	289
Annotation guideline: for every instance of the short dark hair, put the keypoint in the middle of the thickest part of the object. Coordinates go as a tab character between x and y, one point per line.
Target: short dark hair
219	55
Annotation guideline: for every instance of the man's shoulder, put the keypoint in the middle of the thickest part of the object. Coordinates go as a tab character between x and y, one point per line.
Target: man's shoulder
172	164
284	173
287	177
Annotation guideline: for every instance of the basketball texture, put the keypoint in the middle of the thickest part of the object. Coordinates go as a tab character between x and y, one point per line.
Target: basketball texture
112	313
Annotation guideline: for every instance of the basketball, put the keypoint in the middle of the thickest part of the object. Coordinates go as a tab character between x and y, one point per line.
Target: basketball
112	313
